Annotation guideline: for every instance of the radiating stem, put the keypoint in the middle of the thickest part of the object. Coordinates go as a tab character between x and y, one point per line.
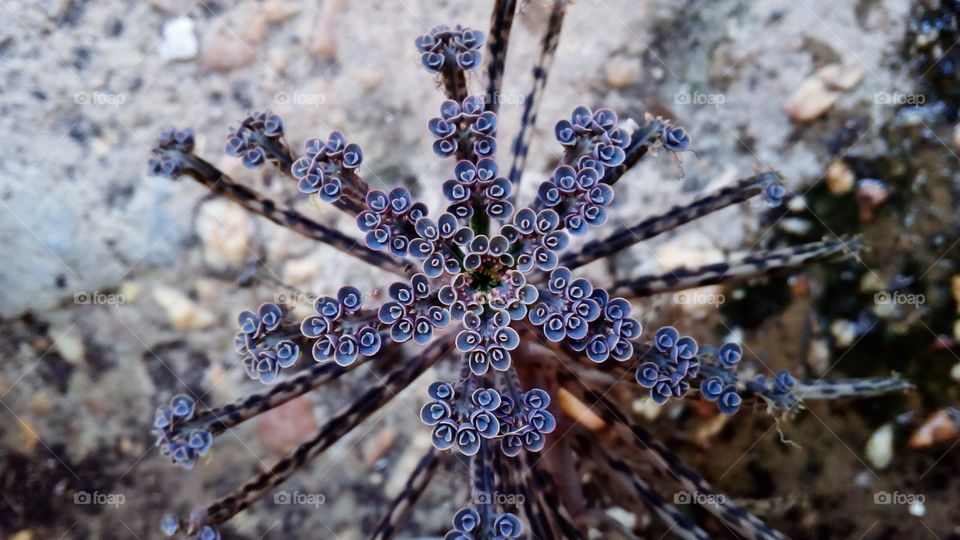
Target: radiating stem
219	183
761	263
501	22
454	82
338	426
645	446
404	502
678	215
547	498
220	419
619	471
532	102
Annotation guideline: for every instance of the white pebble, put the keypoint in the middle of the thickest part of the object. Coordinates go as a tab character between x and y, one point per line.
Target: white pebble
179	41
880	447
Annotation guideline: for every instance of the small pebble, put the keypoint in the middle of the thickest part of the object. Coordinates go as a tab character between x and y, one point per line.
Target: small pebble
282	429
810	101
622	72
224	229
955	290
871	193
624	517
222	50
129	290
880	447
278	10
70	345
939	428
841	76
795	226
840	179
844	331
377	446
179	40
182	312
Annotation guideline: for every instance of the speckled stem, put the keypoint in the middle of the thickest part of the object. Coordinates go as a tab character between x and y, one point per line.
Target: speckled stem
404	502
501	22
620	472
678	215
339	425
521	145
761	263
219	183
642	444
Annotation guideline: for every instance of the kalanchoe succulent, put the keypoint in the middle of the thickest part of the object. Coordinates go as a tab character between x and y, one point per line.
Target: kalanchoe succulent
326	166
443	46
486	282
259	139
182	446
464	129
266	342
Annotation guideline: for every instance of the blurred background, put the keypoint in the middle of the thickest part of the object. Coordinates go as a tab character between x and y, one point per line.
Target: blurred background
118	290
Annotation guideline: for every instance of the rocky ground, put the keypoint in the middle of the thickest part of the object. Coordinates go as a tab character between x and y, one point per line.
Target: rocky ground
119	289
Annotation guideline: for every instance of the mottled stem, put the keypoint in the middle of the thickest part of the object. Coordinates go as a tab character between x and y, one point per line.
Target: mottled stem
548	500
501	22
404	502
339	425
849	388
619	471
521	145
678	215
220	419
219	183
761	263
454	82
645	446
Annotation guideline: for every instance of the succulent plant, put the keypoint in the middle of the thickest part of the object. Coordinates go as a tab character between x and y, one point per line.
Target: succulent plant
490	283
